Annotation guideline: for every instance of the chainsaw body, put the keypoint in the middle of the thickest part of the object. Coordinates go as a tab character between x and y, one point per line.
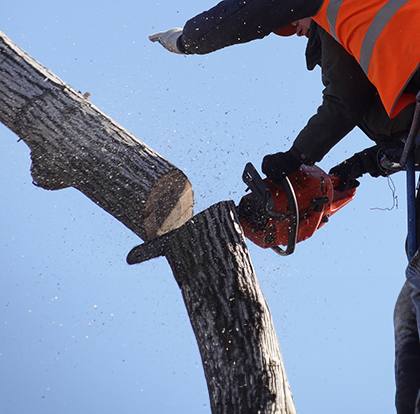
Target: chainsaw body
283	214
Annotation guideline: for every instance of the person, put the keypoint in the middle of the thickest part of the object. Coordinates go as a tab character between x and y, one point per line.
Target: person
350	100
352	97
381	36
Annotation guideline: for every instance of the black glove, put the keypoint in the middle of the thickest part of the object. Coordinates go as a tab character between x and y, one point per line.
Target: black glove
355	167
345	172
371	160
277	166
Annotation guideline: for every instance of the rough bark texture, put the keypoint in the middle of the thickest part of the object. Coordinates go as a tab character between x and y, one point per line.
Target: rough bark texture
229	315
73	144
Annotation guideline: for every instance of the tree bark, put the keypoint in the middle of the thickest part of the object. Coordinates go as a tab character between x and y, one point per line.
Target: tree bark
227	310
73	144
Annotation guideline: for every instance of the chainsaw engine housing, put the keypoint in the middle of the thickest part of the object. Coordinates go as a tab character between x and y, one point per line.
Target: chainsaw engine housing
316	197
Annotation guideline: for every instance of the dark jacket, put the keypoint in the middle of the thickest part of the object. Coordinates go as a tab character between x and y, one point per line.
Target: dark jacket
239	21
349	100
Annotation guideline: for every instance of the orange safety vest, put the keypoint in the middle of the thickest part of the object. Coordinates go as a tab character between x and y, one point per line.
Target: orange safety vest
384	37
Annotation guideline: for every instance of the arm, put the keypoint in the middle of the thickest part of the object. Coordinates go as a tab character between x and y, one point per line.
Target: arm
239	21
377	161
346	99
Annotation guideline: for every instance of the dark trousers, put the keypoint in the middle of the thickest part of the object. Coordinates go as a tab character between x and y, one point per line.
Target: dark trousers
407	344
407	352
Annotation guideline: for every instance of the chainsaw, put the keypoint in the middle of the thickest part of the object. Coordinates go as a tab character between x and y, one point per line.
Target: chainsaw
284	213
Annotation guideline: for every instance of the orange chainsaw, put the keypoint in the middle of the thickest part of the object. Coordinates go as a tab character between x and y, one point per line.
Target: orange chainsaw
283	214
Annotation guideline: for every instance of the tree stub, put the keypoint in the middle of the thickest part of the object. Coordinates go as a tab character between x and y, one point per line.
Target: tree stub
230	318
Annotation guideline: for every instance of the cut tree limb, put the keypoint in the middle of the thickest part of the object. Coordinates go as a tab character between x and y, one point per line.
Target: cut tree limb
227	310
73	144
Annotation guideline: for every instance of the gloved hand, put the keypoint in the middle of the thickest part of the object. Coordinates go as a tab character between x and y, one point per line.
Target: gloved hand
346	172
373	160
277	166
168	39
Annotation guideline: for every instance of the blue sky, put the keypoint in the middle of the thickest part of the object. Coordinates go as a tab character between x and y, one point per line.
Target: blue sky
83	332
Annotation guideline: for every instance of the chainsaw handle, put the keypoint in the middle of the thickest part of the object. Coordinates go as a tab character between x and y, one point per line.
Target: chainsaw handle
256	184
294	225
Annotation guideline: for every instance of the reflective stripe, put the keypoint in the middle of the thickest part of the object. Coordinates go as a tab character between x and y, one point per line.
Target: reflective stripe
332	13
378	24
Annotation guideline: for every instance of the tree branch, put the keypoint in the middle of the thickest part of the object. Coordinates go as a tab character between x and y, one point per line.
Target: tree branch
227	310
73	144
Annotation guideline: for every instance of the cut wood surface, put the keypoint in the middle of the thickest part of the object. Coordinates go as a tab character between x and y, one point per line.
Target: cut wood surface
73	144
227	310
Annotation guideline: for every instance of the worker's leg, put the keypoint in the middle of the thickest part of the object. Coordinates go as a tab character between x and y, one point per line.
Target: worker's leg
407	353
418	403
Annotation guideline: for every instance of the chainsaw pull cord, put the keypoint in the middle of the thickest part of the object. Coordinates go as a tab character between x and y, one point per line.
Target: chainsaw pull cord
407	161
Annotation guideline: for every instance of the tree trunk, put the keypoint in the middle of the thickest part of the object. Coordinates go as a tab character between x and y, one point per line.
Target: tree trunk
73	144
230	318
